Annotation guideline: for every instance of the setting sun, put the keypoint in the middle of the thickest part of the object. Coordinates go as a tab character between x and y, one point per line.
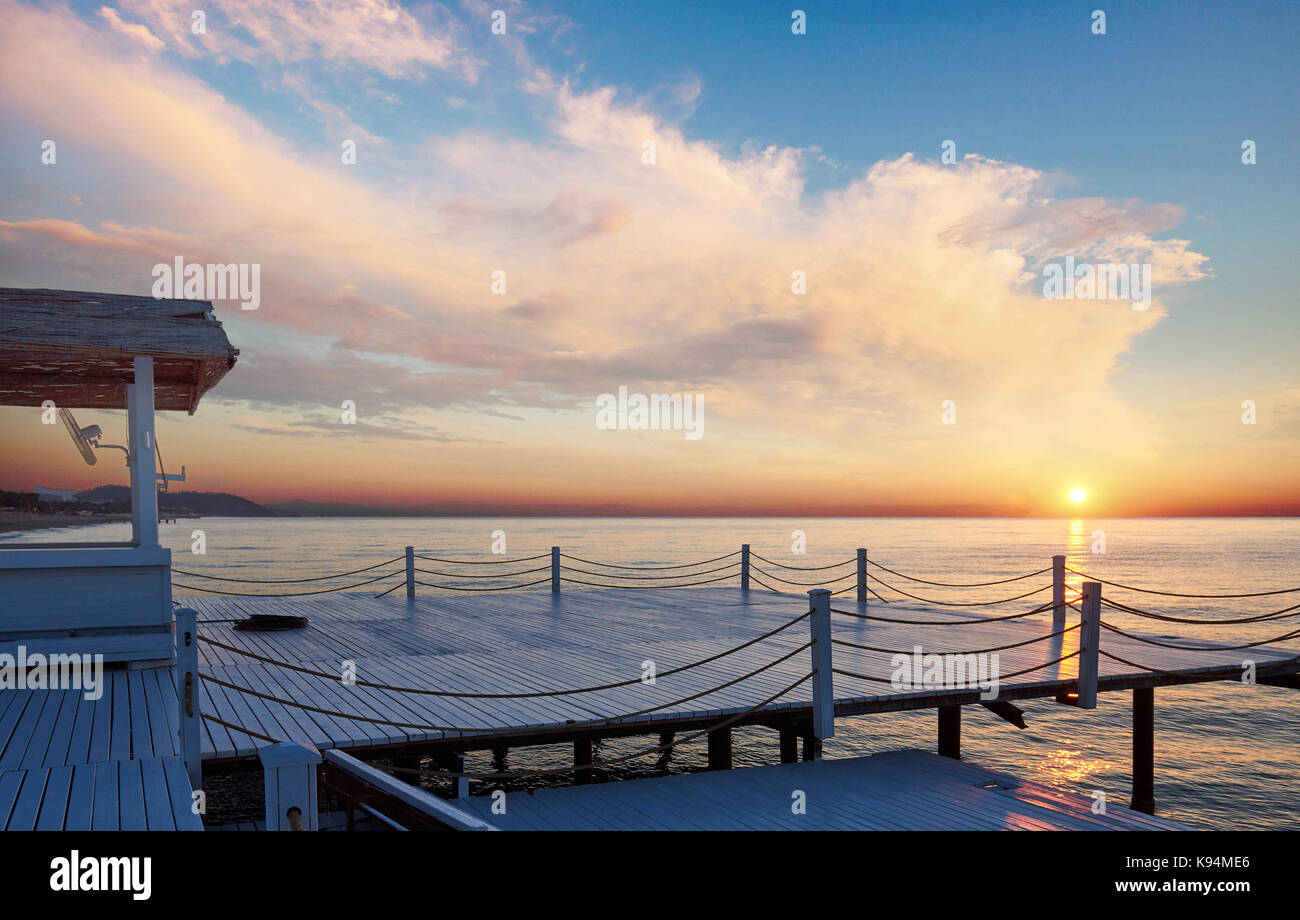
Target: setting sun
1077	495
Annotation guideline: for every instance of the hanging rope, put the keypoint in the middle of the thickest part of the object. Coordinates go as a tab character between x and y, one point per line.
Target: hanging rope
540	568
688	584
950	584
730	565
528	584
359	584
1115	584
926	600
1283	614
799	568
1001	677
802	584
482	561
1201	648
686	565
970	622
978	651
286	581
501	696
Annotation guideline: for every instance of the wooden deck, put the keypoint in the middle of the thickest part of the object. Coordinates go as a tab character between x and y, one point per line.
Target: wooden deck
893	791
150	794
527	642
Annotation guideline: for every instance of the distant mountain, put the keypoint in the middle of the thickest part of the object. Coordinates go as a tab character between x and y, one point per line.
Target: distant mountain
208	504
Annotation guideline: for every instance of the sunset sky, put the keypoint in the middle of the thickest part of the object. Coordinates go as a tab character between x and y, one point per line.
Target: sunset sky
774	153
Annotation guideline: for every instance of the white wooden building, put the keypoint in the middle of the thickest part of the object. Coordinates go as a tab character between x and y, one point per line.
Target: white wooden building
81	350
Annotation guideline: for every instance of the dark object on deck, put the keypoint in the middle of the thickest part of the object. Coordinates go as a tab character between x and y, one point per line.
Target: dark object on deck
269	622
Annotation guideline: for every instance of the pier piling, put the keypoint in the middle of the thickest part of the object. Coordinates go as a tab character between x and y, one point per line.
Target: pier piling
1144	750
582	758
744	566
789	745
410	573
720	749
1089	637
862	576
823	690
555	570
950	731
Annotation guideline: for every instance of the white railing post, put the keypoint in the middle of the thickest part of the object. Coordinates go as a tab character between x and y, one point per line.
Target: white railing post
186	678
290	775
823	687
555	570
744	566
1089	639
1058	593
410	573
862	575
140	449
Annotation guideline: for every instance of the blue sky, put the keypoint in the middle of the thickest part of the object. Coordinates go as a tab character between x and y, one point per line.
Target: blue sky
777	151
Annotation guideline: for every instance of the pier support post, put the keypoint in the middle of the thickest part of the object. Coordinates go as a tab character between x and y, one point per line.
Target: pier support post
744	566
862	576
144	479
789	745
290	775
410	573
812	747
720	749
454	762
408	762
1089	638
555	570
1144	750
582	758
823	687
186	678
1058	593
950	731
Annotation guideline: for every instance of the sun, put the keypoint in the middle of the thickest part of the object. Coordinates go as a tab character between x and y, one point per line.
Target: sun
1077	495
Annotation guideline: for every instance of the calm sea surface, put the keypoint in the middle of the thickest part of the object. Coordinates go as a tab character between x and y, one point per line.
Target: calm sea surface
1228	755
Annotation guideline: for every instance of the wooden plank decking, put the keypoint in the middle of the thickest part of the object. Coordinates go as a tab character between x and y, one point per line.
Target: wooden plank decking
527	642
896	790
150	794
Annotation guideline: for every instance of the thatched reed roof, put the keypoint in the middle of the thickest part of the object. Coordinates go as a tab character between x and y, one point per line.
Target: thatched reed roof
76	348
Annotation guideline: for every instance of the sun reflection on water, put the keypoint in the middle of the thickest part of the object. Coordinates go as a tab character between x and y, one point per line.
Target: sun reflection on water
1066	766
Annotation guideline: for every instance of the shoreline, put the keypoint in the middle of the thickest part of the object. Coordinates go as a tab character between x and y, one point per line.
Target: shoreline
22	521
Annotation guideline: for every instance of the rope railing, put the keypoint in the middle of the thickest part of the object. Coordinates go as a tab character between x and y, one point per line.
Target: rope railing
286	581
612	565
540	568
278	662
482	561
978	651
688	584
359	584
801	568
1283	614
529	584
733	566
938	603
568	726
969	622
950	584
804	584
1199	648
1001	677
1115	584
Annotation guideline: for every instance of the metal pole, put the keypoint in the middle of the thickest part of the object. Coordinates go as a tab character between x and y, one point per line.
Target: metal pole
823	689
1089	637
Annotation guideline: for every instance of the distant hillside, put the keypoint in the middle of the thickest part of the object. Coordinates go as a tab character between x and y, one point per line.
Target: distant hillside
209	504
